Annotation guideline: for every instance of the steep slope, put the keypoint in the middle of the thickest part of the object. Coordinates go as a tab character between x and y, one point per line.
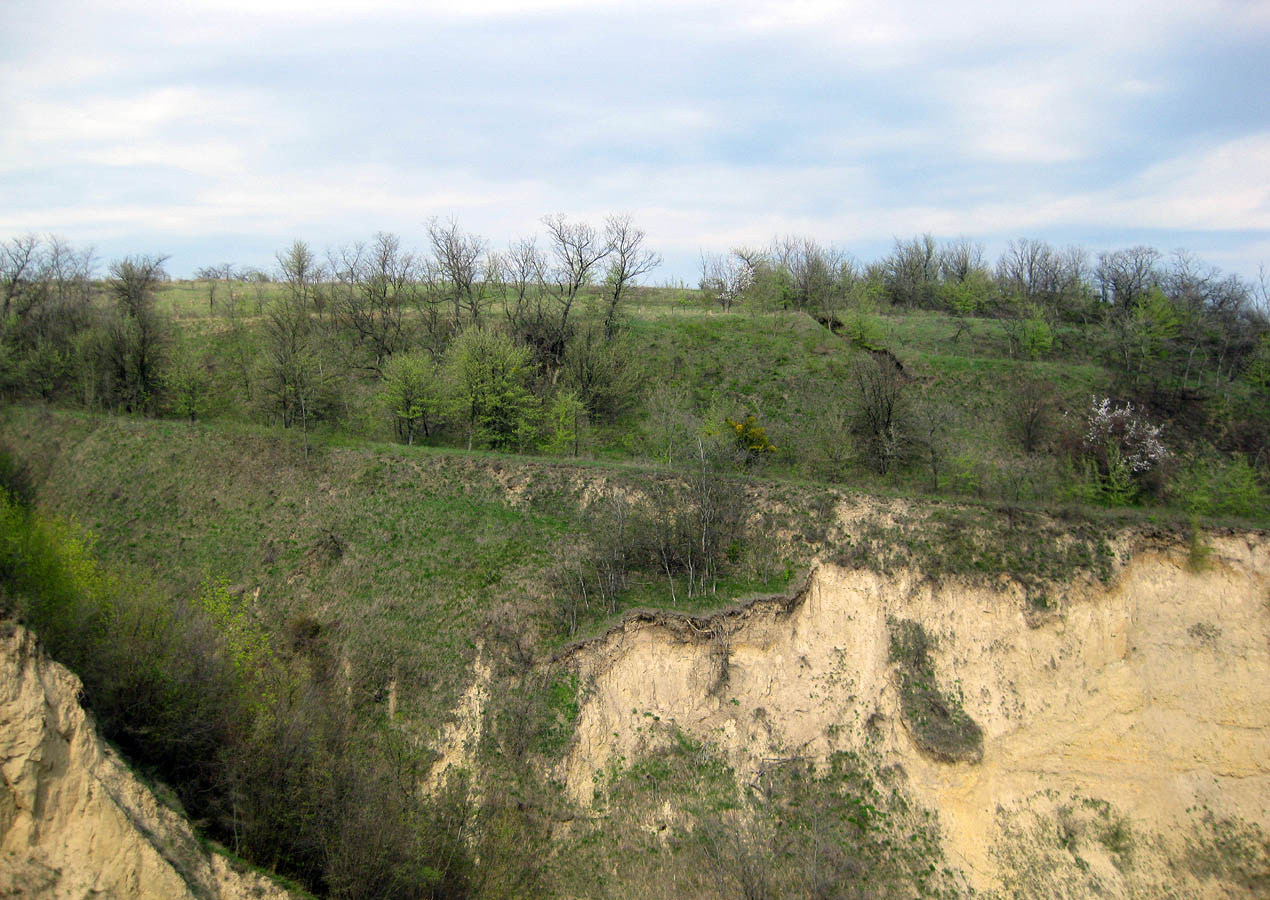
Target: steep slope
74	821
1124	735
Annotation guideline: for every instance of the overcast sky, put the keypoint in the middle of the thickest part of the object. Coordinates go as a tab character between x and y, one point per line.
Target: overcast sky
221	130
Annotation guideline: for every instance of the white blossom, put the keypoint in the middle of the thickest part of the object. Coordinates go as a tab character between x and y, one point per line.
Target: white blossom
1133	436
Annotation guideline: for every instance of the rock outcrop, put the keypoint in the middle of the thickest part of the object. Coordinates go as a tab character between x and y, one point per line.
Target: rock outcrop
1124	732
75	822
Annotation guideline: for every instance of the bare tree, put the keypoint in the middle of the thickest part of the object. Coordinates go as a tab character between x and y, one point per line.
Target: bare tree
133	281
960	259
531	314
461	266
1075	275
629	260
1056	281
374	287
295	381
549	284
19	259
881	419
257	278
1126	275
54	289
740	855
523	268
214	275
577	249
818	276
1030	410
1029	269
931	424
70	270
911	272
1259	299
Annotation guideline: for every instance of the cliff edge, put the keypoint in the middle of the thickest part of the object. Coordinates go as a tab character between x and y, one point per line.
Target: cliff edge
74	820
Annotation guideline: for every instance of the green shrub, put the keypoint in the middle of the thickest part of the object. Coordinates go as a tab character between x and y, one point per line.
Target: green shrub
15	478
187	384
267	757
751	437
1037	337
560	713
565	423
488	375
1215	487
1109	484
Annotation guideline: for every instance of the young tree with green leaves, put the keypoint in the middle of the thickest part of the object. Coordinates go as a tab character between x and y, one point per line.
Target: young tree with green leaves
565	422
412	393
488	375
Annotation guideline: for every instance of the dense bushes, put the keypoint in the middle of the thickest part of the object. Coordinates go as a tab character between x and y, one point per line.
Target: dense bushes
261	741
688	531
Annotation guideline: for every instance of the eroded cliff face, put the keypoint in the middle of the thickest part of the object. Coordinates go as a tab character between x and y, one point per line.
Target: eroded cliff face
1116	728
74	821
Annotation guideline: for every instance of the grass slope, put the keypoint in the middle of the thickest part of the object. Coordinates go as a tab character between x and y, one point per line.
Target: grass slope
406	552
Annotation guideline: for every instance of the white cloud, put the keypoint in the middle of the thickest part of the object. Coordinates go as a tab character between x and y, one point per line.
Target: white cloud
687	207
1021	114
1226	187
199	130
853	120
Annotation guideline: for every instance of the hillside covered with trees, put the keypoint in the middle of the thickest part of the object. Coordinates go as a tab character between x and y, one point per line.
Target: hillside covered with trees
318	502
1129	378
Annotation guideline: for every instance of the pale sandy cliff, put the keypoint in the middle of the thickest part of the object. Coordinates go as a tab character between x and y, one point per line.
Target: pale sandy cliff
74	821
1120	730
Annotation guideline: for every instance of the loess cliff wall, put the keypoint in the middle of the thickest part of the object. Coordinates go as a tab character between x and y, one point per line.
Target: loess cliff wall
1125	731
75	822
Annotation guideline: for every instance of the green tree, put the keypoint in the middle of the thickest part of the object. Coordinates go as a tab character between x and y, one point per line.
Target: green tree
602	372
301	275
488	376
412	394
188	384
565	420
296	380
134	337
969	295
1148	333
1037	337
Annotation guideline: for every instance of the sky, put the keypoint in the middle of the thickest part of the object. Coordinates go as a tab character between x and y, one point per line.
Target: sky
222	130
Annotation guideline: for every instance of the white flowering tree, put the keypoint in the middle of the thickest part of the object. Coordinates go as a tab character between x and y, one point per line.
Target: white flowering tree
726	278
1119	449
